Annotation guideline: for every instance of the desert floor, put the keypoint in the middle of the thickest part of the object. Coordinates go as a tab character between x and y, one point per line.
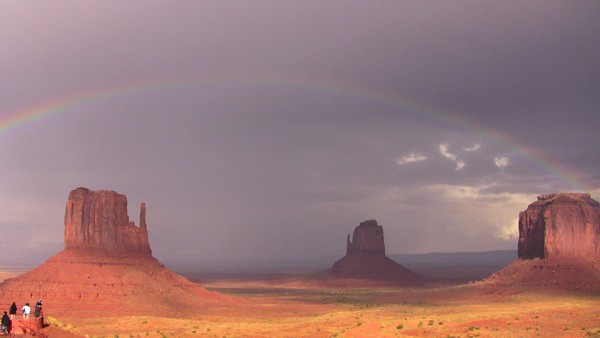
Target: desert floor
277	306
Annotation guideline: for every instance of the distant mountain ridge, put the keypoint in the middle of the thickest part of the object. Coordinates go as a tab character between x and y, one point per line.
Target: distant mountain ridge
453	266
457	266
458	258
449	266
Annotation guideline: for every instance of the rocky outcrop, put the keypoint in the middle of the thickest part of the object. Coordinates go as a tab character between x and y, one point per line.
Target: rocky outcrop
365	258
565	273
107	268
98	220
560	224
559	246
366	239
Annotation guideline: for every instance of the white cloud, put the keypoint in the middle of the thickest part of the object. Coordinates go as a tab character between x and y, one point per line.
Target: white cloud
501	161
457	192
481	205
509	231
444	151
474	147
466	217
595	193
411	158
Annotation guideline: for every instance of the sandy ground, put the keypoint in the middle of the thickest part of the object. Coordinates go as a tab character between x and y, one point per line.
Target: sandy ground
300	307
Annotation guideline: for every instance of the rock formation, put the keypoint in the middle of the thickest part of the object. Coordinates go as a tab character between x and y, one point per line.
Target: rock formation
559	245
366	239
99	220
561	224
107	268
365	257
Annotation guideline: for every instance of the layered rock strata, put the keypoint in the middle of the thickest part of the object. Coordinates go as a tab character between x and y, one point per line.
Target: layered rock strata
559	245
560	224
98	220
107	268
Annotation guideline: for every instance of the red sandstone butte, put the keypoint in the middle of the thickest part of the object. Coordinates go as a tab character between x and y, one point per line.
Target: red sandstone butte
367	238
365	258
106	269
99	220
560	224
559	245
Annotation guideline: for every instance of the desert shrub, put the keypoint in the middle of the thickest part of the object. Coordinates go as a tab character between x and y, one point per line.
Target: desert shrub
359	324
53	321
400	327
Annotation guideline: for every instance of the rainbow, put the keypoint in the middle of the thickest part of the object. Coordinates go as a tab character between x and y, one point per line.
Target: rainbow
12	121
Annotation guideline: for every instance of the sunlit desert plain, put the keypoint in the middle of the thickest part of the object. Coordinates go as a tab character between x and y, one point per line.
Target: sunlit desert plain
311	305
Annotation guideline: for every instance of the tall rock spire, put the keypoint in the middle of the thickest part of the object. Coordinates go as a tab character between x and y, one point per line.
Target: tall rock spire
143	215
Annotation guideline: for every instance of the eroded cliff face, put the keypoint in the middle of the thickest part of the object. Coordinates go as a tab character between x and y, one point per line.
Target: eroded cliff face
560	224
98	220
367	238
107	268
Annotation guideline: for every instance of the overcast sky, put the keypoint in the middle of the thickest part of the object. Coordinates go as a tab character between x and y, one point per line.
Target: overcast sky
270	129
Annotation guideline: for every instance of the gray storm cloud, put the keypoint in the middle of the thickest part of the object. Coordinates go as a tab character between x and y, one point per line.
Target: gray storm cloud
304	128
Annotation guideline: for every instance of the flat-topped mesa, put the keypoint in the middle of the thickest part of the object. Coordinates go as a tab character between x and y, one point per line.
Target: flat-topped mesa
98	220
367	238
560	224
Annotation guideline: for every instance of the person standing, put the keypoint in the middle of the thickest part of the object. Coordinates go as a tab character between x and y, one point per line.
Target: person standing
26	310
38	309
5	323
13	310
